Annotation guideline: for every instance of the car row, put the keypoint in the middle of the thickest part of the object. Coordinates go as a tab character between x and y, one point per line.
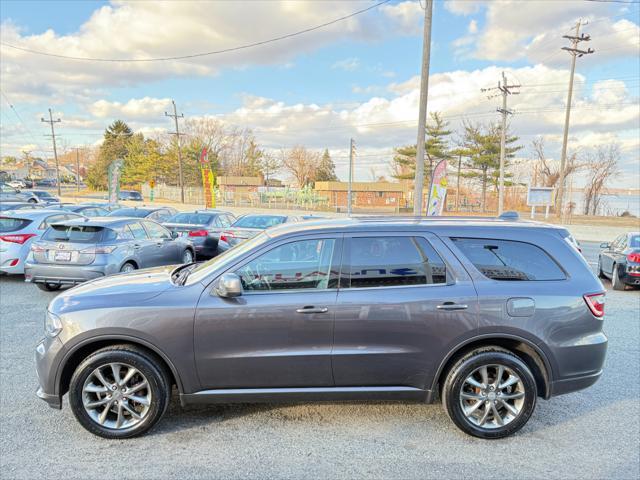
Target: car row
619	261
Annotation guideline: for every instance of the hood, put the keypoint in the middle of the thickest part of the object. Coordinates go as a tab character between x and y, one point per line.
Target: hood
122	289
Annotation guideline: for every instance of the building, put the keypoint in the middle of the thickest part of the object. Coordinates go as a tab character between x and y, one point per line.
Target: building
375	196
234	189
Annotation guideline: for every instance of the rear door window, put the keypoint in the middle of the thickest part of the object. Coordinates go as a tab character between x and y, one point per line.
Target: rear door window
393	261
138	231
509	260
156	231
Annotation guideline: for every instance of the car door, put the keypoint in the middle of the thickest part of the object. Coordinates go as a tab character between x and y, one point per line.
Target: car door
166	250
608	254
279	332
404	301
143	247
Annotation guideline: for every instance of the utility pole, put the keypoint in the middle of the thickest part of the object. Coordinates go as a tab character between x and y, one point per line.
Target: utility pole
458	183
77	169
175	116
505	90
422	115
352	154
575	53
51	121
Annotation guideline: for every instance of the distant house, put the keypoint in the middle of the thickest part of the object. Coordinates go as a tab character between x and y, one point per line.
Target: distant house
366	195
237	189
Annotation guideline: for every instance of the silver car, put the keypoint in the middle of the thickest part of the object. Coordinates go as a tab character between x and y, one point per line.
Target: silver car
19	229
76	251
248	226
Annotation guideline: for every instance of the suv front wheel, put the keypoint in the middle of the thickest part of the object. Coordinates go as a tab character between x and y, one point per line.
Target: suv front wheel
119	392
489	393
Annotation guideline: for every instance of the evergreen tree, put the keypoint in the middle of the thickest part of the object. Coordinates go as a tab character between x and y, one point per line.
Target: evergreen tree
114	146
326	171
436	149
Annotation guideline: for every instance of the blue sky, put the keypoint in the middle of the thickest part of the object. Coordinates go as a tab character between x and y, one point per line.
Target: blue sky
358	72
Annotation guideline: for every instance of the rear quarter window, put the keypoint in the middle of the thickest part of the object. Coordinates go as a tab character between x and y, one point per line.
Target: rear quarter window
509	260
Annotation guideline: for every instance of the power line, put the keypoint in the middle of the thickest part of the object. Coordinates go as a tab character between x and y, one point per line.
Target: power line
203	54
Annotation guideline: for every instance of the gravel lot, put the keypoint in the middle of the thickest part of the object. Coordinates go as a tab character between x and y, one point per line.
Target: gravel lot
590	434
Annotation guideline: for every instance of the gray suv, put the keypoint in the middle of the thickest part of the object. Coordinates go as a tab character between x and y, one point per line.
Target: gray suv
485	314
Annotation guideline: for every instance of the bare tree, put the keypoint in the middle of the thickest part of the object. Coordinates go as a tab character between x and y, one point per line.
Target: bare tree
301	164
270	164
601	166
549	173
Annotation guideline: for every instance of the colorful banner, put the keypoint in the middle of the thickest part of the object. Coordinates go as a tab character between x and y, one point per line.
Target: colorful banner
208	180
438	190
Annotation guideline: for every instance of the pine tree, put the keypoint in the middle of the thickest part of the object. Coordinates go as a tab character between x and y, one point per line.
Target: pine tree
326	171
114	146
436	149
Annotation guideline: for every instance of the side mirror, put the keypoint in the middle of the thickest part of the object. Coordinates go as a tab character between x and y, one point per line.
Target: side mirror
605	245
174	234
229	286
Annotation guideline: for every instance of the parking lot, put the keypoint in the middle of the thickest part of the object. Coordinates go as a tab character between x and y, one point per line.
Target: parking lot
589	434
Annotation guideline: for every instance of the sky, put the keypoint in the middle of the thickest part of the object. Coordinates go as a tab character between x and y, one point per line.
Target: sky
357	77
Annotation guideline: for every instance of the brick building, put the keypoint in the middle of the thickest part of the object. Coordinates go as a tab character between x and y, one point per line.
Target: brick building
380	196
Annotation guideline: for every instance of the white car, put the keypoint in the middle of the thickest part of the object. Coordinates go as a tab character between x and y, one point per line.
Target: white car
16	184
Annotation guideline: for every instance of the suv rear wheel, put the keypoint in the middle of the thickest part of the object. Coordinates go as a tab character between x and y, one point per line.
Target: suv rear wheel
119	392
489	393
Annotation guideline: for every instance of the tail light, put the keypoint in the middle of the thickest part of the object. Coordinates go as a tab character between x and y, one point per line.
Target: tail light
14	262
95	250
225	236
198	233
17	238
595	302
633	257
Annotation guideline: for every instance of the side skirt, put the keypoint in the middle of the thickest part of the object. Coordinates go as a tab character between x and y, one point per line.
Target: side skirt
313	394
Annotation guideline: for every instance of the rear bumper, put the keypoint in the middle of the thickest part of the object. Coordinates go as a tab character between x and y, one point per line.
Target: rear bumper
560	387
630	278
65	274
8	254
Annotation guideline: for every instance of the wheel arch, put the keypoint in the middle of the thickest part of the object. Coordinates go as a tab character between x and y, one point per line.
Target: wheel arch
75	356
527	351
130	260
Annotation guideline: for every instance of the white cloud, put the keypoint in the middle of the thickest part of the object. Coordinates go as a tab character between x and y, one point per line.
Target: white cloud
463	7
473	26
347	64
141	109
406	16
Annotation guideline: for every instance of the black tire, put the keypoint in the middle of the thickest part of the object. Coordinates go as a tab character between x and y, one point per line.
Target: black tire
128	267
465	366
188	256
157	380
48	287
32	200
600	272
616	283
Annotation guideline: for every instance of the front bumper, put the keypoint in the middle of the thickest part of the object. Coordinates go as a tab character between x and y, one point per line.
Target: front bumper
65	274
49	353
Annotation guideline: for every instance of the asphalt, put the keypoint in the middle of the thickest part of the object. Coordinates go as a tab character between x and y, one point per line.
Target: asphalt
594	433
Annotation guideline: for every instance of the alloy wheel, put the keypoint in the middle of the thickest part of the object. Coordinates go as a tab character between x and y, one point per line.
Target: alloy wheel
116	396
492	396
187	257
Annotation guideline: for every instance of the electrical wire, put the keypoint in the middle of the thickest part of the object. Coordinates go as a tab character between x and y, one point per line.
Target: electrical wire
203	54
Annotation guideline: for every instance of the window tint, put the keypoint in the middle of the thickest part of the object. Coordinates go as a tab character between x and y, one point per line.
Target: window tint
8	224
295	265
156	231
509	260
74	234
129	212
52	219
137	231
191	218
393	261
125	234
634	241
259	221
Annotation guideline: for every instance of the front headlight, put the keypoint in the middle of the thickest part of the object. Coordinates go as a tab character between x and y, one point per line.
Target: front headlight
52	324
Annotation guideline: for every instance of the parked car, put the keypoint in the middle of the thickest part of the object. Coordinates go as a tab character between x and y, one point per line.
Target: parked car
19	229
159	214
130	195
620	261
43	196
10	194
203	227
248	226
107	206
4	206
46	182
73	252
86	210
18	184
487	315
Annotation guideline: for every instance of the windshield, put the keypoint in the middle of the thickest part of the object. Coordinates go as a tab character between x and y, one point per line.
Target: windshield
259	221
75	234
129	212
190	218
226	258
42	194
634	241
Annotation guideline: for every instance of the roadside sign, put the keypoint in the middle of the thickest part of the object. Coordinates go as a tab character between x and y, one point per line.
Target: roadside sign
539	197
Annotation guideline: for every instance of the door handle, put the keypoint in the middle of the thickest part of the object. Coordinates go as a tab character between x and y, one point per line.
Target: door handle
452	306
137	246
311	309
